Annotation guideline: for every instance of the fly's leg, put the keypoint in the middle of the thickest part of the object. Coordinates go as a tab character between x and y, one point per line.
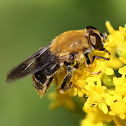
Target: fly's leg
103	49
100	57
66	84
88	61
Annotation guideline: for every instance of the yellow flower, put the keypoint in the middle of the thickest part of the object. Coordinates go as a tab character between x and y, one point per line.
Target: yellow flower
118	108
96	94
61	100
109	71
95	117
119	122
122	70
120	85
123	60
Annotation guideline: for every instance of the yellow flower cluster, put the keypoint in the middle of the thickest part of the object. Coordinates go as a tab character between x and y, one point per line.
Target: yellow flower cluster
104	91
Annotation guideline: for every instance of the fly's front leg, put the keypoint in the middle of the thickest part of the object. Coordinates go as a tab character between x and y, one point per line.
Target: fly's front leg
100	57
88	60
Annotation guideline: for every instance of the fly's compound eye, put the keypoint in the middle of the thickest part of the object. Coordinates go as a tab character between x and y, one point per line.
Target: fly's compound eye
95	41
91	28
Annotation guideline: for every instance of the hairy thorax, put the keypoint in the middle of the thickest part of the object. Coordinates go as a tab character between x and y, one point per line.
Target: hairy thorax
68	42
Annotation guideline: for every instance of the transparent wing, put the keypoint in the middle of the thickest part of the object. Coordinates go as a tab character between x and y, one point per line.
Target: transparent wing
36	62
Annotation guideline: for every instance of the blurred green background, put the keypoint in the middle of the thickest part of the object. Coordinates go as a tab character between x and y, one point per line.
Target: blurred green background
25	26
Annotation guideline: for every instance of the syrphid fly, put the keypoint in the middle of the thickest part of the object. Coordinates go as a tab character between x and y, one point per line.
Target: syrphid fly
69	49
